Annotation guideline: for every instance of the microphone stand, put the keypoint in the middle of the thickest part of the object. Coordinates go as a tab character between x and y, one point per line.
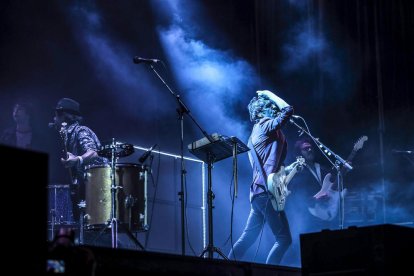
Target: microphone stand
182	109
338	164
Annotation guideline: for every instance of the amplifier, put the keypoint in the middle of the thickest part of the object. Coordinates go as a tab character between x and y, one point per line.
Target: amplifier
372	250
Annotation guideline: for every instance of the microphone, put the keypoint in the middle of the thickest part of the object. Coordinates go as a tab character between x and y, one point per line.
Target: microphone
146	154
51	125
403	151
145	60
349	167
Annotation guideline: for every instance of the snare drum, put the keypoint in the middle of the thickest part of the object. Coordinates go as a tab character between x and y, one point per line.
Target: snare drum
130	196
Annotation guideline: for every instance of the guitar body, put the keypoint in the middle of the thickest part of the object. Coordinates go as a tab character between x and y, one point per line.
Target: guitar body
277	184
64	136
327	200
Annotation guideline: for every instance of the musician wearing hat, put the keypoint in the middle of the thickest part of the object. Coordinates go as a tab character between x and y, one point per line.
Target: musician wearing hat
80	146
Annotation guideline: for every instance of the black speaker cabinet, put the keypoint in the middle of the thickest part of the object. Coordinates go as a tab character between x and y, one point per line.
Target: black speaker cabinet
372	250
24	207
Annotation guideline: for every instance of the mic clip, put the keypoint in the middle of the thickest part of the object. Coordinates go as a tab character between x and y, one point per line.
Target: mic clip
146	154
138	60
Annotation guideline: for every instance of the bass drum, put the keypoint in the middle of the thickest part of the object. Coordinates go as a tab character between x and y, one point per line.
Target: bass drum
130	195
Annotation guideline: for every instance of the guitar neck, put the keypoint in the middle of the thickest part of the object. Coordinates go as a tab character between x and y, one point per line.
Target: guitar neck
351	155
72	180
358	145
291	174
65	156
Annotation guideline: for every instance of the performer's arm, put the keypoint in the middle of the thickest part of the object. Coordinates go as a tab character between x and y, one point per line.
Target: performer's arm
277	100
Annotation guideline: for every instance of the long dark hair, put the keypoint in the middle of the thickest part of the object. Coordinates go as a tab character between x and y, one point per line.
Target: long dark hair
261	107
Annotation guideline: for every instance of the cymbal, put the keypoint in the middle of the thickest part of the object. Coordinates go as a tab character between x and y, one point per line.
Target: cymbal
117	149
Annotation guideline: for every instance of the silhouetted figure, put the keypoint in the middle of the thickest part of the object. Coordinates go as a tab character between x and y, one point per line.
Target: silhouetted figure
23	134
65	258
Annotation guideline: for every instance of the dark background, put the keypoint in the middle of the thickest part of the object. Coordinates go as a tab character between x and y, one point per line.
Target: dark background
345	66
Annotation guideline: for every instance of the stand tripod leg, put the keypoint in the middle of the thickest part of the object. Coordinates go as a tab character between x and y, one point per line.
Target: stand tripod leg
114	233
53	224
211	249
82	206
218	251
101	232
132	237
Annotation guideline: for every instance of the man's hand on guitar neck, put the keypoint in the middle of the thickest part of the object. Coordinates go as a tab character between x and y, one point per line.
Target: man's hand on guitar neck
297	163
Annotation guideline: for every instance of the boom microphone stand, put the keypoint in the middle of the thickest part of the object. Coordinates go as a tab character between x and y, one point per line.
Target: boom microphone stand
338	164
182	109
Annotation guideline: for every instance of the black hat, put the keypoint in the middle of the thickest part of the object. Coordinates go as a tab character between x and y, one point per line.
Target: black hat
68	105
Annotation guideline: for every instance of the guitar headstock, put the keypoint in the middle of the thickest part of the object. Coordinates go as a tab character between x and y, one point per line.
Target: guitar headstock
300	160
360	143
63	131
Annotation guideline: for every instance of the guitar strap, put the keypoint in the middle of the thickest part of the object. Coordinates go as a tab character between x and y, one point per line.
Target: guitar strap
257	164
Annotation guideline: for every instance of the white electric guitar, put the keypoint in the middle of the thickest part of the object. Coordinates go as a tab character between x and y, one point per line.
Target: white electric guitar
327	204
277	183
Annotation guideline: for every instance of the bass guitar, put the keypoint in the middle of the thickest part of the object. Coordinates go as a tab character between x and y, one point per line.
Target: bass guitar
327	199
63	132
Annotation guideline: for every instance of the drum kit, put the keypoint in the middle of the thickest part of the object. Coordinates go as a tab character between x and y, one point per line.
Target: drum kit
115	196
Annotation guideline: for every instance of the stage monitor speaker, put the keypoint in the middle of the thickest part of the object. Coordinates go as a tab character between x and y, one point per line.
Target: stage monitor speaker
371	250
111	261
24	207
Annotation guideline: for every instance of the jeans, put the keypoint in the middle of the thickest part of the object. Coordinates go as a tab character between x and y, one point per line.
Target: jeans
261	212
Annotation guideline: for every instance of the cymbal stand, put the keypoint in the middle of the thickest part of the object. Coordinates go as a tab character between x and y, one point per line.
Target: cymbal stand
114	221
82	206
53	214
114	187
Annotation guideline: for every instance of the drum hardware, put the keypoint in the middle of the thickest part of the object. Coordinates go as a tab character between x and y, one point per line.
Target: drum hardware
131	199
53	215
82	206
129	203
58	206
116	150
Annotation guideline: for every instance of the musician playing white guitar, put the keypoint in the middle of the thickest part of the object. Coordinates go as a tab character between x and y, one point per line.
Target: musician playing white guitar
268	148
